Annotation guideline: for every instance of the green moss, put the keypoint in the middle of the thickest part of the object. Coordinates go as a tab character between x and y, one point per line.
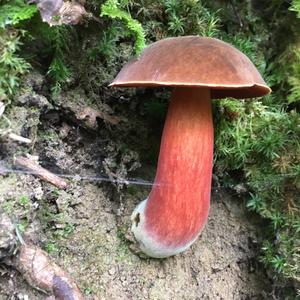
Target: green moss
51	247
264	143
15	11
111	9
123	252
191	17
12	66
295	6
19	209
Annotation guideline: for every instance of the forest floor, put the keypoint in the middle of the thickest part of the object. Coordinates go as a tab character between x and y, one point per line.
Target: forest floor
84	227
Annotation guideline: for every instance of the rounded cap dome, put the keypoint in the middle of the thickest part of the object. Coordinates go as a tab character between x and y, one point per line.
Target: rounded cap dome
196	62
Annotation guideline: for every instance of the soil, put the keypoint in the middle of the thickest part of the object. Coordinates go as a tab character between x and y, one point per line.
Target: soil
85	227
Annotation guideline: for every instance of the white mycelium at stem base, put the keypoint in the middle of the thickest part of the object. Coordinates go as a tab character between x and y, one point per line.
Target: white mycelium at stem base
172	217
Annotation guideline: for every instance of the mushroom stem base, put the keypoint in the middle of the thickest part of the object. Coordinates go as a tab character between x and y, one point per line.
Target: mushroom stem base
148	245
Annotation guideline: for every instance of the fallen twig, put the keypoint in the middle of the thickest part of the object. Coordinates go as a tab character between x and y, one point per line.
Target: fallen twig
2	108
41	172
19	138
236	13
43	274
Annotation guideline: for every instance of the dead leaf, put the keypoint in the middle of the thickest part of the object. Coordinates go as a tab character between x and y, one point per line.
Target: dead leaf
58	12
90	115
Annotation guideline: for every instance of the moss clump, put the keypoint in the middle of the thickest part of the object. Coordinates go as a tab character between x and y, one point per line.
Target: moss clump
12	66
111	8
260	140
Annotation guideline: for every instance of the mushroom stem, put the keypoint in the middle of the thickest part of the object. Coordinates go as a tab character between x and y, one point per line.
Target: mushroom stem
171	219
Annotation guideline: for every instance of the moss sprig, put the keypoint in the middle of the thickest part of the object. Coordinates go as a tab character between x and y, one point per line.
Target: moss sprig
111	9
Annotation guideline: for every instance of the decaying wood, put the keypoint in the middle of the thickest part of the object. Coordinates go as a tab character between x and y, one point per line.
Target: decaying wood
41	172
78	108
43	274
90	115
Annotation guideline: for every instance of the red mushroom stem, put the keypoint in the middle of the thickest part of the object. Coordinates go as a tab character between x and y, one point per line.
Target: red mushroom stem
171	219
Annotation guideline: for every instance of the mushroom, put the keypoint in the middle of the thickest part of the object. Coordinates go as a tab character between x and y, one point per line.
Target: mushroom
198	69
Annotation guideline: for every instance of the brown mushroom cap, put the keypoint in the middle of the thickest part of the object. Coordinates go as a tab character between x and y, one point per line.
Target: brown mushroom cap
194	61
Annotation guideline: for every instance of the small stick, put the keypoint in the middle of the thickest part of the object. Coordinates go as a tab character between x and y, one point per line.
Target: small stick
236	13
2	108
41	172
19	138
43	274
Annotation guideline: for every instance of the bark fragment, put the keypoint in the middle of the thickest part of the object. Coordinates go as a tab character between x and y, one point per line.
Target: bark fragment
43	274
41	172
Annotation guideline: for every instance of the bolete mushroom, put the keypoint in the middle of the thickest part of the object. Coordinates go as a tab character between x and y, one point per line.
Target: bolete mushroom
198	69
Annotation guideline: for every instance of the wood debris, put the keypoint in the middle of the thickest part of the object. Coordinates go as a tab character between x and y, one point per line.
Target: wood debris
39	171
19	138
90	115
43	274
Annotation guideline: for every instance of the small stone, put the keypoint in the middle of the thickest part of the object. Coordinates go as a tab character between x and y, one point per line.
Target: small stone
35	80
112	271
33	99
64	131
8	240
